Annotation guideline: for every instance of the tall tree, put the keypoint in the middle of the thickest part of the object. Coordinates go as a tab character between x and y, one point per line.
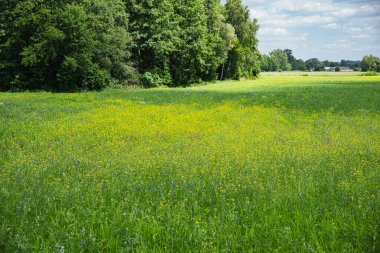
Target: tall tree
314	64
243	59
282	58
177	42
291	58
371	63
190	61
299	65
264	62
269	63
220	36
156	36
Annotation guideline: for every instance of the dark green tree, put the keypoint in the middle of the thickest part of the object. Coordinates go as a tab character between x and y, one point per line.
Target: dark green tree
220	37
154	26
299	65
269	63
371	63
291	59
64	45
264	62
314	64
177	42
189	63
282	58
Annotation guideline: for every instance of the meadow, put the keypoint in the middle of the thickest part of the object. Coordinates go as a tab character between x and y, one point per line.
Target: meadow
277	164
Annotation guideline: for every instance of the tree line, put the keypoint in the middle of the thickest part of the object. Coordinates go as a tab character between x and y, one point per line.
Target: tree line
90	44
283	60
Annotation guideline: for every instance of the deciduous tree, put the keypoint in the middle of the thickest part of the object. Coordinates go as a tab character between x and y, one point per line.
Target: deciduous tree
243	59
64	45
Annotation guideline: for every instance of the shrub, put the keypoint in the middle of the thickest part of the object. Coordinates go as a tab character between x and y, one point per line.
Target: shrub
369	73
151	80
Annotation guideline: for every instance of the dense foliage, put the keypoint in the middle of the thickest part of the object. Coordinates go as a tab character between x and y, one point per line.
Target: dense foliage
90	44
63	45
281	60
371	63
243	58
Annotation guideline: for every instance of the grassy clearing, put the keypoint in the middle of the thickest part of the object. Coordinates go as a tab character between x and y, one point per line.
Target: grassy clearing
284	163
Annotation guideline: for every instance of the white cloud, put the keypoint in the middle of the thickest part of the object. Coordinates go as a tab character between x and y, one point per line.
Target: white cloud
356	29
336	45
272	31
344	13
360	36
332	26
314	20
369	9
268	19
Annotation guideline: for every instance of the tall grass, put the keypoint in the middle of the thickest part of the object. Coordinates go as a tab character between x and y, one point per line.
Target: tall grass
276	164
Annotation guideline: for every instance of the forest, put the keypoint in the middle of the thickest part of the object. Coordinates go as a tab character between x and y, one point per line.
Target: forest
90	44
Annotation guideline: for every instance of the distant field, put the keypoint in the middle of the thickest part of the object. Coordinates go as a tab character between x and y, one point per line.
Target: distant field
281	163
312	73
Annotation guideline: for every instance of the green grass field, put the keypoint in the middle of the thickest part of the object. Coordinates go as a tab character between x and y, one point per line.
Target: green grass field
278	164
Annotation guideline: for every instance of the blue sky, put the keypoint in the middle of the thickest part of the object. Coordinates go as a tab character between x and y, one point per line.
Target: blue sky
325	29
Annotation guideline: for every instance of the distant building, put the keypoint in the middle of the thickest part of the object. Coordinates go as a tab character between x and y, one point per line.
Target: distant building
329	69
345	69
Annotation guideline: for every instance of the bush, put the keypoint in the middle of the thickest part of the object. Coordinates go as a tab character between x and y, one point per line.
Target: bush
369	73
151	80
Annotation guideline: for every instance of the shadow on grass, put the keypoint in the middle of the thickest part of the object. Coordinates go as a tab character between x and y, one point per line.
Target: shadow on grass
335	97
342	98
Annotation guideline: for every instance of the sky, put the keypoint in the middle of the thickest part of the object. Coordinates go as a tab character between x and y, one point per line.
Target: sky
325	29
